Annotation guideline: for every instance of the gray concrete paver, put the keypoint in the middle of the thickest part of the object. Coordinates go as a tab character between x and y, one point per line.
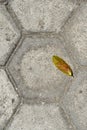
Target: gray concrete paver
9	34
8	99
75	101
75	34
42	15
48	27
33	70
38	117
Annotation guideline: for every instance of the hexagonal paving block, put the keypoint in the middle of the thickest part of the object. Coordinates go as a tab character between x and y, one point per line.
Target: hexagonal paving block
8	99
75	34
38	117
9	35
34	72
42	15
75	102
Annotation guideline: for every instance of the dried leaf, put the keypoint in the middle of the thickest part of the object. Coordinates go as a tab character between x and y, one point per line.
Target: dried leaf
62	65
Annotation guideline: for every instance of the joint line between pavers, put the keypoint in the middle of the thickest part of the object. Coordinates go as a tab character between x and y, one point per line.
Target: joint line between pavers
18	44
70	15
67	117
14	17
12	116
11	79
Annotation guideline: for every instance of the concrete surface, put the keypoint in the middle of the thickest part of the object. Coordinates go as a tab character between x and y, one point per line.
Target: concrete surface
1	1
74	33
42	15
39	117
8	34
34	72
8	99
34	95
75	100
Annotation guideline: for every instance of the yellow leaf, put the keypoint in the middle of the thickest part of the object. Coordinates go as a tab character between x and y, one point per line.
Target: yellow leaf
62	65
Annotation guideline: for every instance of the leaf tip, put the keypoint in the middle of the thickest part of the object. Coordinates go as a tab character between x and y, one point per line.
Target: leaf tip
71	74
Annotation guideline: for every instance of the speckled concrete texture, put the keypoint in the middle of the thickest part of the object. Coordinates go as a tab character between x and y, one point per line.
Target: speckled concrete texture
34	94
